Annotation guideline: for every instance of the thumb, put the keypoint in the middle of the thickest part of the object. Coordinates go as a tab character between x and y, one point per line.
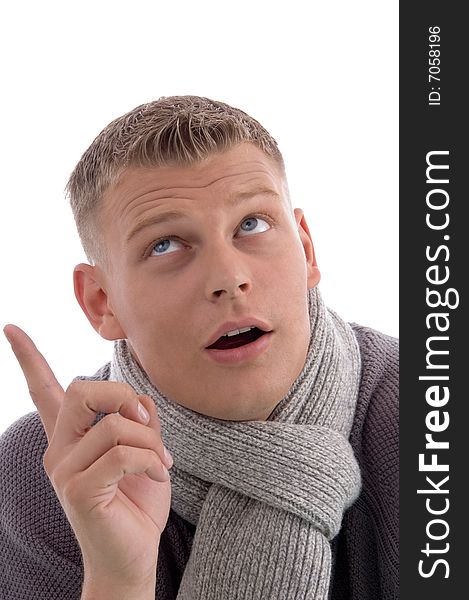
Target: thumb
46	392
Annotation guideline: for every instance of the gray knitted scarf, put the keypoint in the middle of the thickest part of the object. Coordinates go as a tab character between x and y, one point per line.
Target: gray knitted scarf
267	497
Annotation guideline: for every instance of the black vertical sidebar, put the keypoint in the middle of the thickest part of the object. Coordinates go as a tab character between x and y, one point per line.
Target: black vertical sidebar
434	250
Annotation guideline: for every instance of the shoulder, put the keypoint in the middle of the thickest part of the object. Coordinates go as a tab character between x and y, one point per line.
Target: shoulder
23	483
373	521
380	359
37	543
378	398
375	433
22	447
25	490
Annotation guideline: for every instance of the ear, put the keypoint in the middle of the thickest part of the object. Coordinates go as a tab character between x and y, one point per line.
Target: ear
89	285
313	274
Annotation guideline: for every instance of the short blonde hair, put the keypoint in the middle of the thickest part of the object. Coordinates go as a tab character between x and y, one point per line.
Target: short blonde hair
171	131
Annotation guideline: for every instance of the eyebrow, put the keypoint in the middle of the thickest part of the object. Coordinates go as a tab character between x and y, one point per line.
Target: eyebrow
175	215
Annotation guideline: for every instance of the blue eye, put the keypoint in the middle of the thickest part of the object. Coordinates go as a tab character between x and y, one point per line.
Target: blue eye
250	223
162	245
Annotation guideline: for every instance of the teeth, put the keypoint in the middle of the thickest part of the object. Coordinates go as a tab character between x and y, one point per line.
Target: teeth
236	331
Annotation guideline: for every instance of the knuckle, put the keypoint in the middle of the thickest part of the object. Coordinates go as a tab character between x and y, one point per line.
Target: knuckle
156	458
151	440
75	389
129	389
71	492
34	395
112	424
152	458
41	390
128	393
120	454
123	388
157	443
56	478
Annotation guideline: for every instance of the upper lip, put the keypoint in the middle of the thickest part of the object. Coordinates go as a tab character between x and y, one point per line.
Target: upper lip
230	325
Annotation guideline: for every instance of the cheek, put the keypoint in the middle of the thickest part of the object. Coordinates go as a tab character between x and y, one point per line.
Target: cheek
157	320
139	308
290	293
290	267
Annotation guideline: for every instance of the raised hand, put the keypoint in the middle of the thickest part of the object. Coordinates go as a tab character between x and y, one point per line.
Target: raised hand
110	479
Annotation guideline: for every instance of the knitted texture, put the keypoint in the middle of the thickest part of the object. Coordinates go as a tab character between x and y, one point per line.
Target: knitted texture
40	558
367	548
267	497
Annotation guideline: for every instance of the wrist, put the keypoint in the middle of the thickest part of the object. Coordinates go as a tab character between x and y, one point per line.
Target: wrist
108	587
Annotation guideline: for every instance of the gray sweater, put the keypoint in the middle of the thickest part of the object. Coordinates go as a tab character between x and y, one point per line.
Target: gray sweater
40	558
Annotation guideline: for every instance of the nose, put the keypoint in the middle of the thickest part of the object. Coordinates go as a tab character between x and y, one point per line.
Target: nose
226	273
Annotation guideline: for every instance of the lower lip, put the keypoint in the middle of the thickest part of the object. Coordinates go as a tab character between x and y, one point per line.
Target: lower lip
242	353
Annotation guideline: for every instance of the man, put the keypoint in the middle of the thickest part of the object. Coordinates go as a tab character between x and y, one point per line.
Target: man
277	420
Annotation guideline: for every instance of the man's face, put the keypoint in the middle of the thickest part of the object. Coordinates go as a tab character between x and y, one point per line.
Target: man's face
191	249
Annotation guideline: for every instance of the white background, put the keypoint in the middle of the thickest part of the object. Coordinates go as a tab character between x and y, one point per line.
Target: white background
320	76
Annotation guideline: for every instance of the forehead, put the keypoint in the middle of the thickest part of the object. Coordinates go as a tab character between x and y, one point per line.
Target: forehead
239	171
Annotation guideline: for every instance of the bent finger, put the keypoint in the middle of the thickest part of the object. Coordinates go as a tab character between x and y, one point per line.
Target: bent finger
85	399
120	460
113	430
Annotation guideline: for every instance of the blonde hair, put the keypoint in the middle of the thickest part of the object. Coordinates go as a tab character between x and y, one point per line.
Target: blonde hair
171	131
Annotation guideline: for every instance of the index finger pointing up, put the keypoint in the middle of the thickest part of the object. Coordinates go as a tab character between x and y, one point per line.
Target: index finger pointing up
45	390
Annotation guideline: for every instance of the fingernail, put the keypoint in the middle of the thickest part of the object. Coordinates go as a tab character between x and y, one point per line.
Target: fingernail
143	413
169	458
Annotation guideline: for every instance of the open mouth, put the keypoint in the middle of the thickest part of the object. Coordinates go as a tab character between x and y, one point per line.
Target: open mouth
235	341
